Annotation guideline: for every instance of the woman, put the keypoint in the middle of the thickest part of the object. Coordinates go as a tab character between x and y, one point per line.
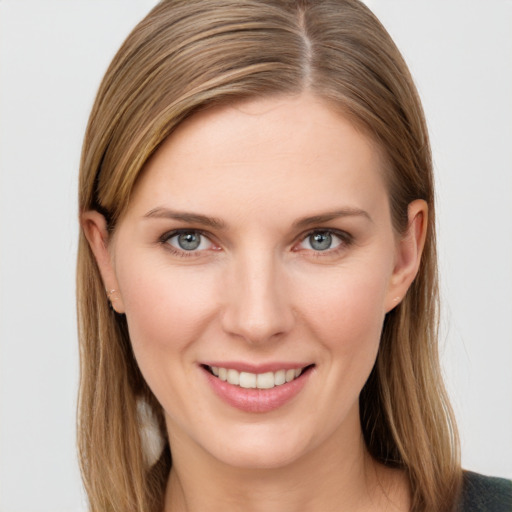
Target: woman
256	199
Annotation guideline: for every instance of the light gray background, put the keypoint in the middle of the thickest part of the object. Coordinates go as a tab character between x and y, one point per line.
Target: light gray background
52	56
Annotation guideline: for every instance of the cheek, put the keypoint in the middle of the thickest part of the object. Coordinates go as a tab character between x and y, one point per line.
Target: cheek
166	308
346	309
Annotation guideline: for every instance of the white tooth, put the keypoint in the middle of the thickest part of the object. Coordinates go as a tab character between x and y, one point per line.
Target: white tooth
247	380
215	370
298	372
265	380
279	377
290	375
223	374
233	377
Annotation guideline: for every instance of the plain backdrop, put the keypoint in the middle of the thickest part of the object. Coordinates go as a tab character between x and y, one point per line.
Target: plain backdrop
52	56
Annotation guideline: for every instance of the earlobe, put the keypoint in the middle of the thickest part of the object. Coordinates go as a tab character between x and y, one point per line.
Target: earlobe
95	230
409	251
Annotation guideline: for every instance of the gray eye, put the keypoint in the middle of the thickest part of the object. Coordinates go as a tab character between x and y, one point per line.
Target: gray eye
320	241
189	241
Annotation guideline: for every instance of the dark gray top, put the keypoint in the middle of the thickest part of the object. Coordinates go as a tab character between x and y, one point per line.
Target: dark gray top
485	494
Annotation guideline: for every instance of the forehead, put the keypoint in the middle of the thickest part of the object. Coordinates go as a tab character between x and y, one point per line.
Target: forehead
273	151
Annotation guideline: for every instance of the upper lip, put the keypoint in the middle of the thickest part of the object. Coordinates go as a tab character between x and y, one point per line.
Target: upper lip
241	366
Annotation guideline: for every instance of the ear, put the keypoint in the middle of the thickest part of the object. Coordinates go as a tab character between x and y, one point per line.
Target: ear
96	232
408	253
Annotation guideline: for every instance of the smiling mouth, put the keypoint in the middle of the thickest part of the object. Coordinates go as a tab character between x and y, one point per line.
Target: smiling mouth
247	380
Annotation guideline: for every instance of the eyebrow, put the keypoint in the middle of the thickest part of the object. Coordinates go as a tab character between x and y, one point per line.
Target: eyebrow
188	217
328	216
216	223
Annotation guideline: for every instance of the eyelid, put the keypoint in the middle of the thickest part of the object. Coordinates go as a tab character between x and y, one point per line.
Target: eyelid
164	240
345	238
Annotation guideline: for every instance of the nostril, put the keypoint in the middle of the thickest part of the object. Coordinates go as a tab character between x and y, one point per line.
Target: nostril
256	306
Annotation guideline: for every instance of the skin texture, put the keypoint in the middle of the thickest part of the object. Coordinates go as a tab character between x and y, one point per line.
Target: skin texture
257	291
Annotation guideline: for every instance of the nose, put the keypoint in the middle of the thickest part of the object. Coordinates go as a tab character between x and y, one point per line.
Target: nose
258	307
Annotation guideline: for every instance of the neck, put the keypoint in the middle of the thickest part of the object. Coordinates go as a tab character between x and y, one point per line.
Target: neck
337	475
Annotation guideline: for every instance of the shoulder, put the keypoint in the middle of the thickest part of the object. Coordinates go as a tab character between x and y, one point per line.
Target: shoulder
485	494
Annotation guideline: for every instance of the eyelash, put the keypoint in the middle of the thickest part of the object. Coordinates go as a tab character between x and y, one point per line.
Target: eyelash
164	240
346	240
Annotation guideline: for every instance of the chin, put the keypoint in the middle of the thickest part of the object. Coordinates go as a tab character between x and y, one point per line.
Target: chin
260	447
254	457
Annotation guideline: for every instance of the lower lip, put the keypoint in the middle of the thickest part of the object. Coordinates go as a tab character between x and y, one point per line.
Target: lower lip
257	400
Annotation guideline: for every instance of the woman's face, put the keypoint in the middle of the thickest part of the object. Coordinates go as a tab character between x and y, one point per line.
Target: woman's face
258	245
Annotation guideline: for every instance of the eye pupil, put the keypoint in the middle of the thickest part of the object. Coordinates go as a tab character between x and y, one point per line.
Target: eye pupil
189	241
320	241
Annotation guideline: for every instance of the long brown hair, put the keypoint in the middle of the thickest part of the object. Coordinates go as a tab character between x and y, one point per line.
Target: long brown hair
187	55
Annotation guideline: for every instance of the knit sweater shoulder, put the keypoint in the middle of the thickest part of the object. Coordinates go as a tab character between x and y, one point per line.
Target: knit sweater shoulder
485	494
